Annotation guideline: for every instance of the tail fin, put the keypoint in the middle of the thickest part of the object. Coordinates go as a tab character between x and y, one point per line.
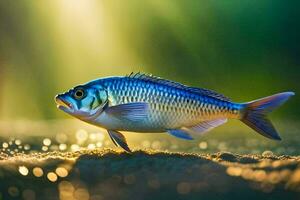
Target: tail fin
255	114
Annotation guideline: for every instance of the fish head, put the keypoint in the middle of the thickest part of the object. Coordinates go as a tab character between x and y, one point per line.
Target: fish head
84	101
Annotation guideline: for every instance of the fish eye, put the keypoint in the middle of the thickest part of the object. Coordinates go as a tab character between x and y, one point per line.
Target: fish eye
79	93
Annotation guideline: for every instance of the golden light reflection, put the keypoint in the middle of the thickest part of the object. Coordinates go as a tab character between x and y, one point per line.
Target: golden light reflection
156	144
38	172
247	174
259	175
99	136
267	153
81	136
66	190
62	147
274	177
146	144
203	145
82	194
294	179
234	171
18	142
267	179
5	145
45	148
26	146
61	172
91	146
285	174
52	176
75	147
47	142
61	138
99	144
23	170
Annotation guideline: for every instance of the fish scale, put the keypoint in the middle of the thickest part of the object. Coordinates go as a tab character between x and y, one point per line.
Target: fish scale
169	107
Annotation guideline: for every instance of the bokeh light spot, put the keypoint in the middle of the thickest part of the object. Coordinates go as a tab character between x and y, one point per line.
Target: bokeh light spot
47	142
184	188
82	194
23	170
52	176
62	147
61	172
203	145
28	194
13	191
38	172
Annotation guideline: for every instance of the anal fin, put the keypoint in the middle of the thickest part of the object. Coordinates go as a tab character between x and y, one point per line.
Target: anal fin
205	126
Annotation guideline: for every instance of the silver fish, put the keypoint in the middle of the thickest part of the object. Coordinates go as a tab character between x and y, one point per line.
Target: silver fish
144	103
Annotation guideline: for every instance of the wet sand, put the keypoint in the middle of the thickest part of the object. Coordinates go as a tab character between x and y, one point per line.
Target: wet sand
108	174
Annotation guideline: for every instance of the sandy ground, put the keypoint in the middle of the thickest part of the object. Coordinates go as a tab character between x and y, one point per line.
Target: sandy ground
108	174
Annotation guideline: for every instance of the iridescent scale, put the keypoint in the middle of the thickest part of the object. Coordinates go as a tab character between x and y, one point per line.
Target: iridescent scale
171	105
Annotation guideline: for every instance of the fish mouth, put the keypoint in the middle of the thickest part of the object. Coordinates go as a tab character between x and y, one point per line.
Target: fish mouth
63	104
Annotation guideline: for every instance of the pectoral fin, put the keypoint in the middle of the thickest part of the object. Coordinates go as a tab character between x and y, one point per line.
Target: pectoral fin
118	139
129	111
180	134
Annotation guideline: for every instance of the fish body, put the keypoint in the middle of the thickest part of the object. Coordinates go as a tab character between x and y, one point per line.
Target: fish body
171	106
142	103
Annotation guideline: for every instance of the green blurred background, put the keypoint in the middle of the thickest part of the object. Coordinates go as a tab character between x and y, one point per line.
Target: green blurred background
243	49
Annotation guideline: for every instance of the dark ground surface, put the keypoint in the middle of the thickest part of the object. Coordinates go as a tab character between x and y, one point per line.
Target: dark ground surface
107	174
70	160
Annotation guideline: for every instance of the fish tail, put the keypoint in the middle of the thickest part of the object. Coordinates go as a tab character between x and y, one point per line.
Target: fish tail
254	114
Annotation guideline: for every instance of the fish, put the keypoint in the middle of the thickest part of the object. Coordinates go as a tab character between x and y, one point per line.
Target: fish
149	104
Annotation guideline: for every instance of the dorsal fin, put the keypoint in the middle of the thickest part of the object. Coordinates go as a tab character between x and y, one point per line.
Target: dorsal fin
156	79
